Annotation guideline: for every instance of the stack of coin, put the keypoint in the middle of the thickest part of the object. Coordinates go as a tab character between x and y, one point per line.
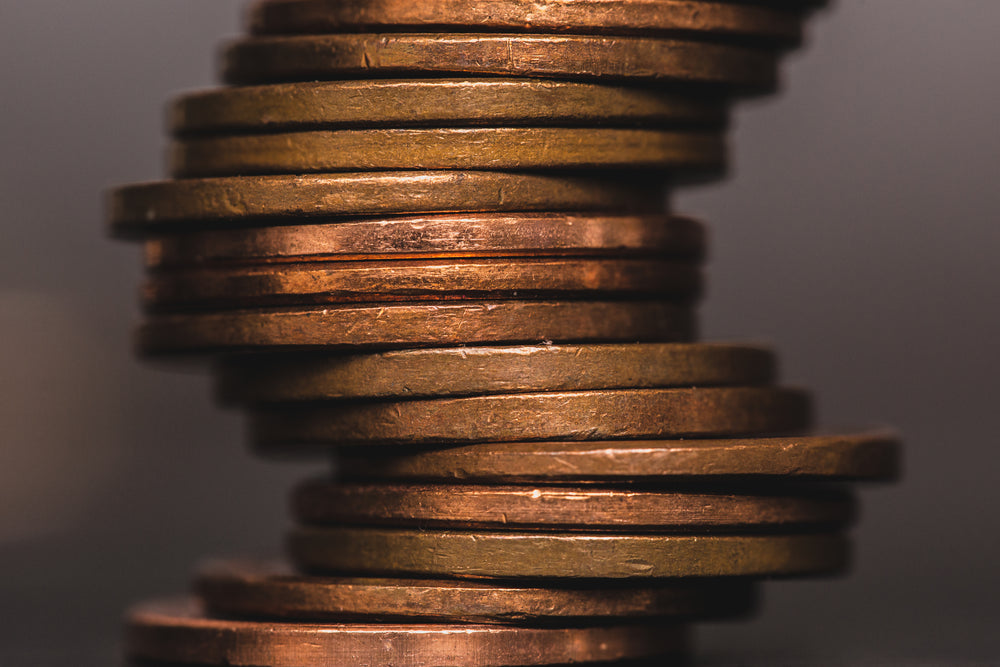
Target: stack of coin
434	238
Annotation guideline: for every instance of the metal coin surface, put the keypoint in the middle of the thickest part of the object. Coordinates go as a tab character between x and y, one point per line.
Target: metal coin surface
717	19
447	235
863	456
415	324
406	280
580	415
178	632
507	148
518	555
467	371
313	57
437	102
270	590
323	502
136	208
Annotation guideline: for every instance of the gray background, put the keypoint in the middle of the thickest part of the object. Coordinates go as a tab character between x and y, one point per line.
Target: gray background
859	234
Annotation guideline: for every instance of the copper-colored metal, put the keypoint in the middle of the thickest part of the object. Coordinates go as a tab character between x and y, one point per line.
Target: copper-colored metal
416	324
406	280
514	555
431	236
467	371
697	17
448	148
135	208
304	58
579	415
178	632
437	102
271	590
565	508
866	456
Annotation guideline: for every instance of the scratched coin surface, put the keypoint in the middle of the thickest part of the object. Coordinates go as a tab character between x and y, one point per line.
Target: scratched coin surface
274	590
178	632
313	57
535	555
576	415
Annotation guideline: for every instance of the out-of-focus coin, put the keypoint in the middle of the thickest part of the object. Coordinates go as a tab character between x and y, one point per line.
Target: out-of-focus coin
468	371
177	632
576	415
269	590
524	555
304	58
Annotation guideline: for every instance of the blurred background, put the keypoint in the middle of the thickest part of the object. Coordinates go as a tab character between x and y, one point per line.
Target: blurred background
859	234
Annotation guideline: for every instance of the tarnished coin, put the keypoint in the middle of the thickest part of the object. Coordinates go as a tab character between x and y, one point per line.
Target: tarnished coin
137	208
178	632
863	456
449	235
522	555
448	148
695	17
417	324
271	590
467	371
312	57
408	280
591	508
440	103
572	415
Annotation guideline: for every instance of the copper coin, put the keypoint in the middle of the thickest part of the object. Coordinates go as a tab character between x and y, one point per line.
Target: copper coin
406	280
452	235
177	631
468	371
580	415
437	102
866	456
515	555
312	57
272	590
591	508
416	324
447	148
137	207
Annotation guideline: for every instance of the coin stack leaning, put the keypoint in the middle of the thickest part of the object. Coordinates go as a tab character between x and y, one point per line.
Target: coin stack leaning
434	237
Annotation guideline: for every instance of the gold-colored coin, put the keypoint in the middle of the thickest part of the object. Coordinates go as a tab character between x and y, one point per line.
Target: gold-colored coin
467	371
518	555
572	415
304	58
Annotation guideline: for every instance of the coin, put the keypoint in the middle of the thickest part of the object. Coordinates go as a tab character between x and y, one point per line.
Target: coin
447	148
566	508
439	103
517	555
462	371
415	325
270	590
312	57
176	631
866	456
406	280
716	19
572	415
137	207
452	235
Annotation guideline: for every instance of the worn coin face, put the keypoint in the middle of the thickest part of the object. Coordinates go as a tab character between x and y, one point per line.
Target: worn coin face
571	415
177	632
863	456
533	555
587	57
467	371
270	590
